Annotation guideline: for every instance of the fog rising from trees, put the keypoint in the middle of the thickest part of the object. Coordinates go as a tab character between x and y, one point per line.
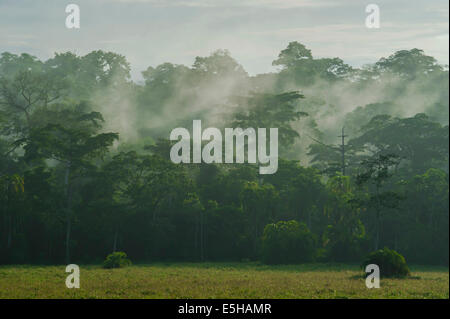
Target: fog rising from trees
85	168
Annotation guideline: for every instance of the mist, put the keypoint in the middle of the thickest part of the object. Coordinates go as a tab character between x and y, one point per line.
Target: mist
173	95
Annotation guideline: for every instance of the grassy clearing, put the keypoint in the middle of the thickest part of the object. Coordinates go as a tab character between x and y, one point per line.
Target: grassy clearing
218	280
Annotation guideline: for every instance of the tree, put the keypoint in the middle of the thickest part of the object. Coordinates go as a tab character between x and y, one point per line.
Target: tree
287	242
419	141
259	206
292	55
11	195
300	68
12	64
425	217
408	63
345	233
270	110
23	94
105	68
376	172
73	147
302	193
193	207
218	65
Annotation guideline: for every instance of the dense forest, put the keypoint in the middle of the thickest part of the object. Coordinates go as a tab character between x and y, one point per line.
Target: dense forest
85	167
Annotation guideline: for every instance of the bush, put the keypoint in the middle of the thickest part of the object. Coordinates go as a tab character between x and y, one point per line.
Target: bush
117	259
287	243
391	263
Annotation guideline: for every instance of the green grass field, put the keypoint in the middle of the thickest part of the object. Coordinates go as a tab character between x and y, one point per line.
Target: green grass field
218	280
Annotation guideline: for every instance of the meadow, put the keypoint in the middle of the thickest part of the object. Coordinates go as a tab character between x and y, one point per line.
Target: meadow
219	280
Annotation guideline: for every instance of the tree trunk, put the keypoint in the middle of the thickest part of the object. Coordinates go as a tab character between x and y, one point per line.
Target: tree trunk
116	234
68	229
196	238
377	221
8	218
201	236
68	211
205	236
9	240
377	231
255	240
309	219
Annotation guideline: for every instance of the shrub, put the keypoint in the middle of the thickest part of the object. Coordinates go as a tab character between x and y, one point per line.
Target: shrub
391	263
287	243
117	259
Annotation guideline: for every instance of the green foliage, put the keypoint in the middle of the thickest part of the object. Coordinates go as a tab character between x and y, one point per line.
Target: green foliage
408	63
428	201
391	263
117	259
270	110
70	188
376	172
418	140
293	54
287	243
300	67
345	234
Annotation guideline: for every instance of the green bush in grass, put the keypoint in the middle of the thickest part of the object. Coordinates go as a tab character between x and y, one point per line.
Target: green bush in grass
391	263
117	259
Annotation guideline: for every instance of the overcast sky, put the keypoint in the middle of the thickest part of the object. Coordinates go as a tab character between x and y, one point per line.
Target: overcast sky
150	32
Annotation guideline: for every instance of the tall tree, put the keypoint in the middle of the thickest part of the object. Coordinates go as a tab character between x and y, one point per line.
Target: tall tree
376	171
74	148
